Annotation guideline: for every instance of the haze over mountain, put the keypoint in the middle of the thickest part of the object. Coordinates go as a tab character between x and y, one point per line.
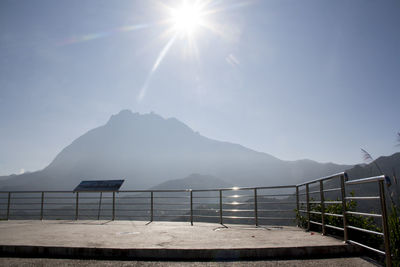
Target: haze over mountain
194	181
146	150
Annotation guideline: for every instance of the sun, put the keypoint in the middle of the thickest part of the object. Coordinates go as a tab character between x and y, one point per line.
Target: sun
187	17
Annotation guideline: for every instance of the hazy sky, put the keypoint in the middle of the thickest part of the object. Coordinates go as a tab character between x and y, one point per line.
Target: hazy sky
296	79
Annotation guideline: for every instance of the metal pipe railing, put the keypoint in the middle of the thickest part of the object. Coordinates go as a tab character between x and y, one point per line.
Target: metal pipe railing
343	180
385	233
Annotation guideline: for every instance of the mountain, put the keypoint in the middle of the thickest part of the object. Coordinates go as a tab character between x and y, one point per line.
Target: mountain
146	150
388	164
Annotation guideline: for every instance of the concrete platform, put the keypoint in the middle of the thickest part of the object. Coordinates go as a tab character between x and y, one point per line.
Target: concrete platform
164	241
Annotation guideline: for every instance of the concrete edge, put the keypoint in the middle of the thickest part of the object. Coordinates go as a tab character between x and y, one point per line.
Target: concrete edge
182	254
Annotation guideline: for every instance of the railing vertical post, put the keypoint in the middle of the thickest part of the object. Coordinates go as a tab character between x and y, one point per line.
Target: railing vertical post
297	206
255	207
151	206
41	207
77	206
98	213
343	192
385	224
113	207
8	205
220	207
322	196
191	207
308	206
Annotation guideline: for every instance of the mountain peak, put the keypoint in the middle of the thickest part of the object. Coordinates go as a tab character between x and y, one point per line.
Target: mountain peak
148	121
125	112
126	116
123	115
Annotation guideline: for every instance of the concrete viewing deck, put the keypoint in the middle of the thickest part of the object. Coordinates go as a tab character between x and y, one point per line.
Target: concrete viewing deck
164	240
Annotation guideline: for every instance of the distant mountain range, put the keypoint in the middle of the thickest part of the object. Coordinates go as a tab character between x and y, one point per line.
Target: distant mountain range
390	165
147	150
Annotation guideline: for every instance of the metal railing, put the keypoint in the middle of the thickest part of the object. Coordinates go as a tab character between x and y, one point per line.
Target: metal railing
320	183
255	205
248	205
385	229
340	183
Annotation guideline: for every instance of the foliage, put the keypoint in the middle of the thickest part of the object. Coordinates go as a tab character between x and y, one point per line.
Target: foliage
394	227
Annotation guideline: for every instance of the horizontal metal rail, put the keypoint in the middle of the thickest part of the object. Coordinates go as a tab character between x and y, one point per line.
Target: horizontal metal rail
365	246
362	198
334	214
364	230
315	212
324	178
275	218
334	227
332	190
277	202
333	202
366	180
364	214
275	210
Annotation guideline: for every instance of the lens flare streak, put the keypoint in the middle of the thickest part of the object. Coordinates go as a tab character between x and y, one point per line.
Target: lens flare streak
98	35
160	57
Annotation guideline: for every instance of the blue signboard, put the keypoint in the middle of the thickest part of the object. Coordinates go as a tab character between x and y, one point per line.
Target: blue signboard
99	186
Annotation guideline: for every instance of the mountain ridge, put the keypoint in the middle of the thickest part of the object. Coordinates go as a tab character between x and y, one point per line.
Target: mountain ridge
146	150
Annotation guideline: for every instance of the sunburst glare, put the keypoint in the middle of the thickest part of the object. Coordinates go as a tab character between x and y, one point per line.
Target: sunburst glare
183	22
187	18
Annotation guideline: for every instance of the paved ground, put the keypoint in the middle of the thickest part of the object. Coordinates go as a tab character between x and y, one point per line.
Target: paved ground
136	234
340	262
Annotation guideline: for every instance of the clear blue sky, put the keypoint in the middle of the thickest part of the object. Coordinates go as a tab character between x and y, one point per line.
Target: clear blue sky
295	79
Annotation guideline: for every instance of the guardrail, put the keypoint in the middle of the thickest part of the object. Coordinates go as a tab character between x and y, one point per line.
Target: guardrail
249	205
343	199
256	205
